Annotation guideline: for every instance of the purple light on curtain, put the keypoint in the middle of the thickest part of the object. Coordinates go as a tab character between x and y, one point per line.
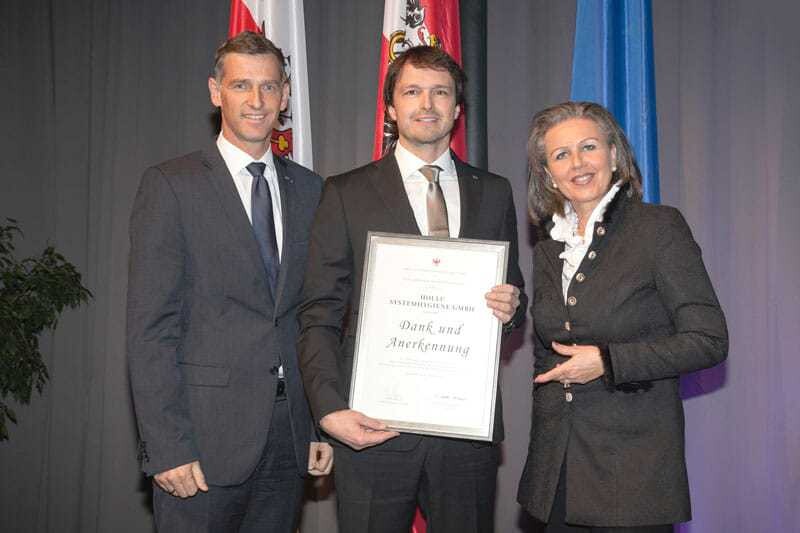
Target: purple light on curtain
612	64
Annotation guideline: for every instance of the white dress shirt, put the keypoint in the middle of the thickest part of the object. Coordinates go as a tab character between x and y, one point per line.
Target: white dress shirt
416	186
565	229
237	160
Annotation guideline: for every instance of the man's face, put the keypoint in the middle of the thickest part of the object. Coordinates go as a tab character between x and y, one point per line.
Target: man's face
424	107
251	95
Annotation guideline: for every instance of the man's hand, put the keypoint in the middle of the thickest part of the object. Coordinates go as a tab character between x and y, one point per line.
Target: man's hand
355	429
320	458
584	365
503	300
183	481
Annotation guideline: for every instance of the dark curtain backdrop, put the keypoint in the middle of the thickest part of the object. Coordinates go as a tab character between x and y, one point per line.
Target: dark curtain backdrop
94	91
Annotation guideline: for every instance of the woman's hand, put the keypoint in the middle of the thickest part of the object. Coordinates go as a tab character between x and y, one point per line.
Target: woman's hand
585	364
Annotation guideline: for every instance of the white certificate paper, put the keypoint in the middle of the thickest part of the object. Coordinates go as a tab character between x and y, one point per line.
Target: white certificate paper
427	349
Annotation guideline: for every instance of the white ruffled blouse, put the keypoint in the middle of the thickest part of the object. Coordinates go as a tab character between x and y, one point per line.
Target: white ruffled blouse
565	229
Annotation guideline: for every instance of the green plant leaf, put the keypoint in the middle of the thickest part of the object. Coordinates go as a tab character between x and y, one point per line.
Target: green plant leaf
33	293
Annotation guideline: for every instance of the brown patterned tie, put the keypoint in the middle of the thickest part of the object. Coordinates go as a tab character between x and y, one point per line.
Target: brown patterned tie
437	209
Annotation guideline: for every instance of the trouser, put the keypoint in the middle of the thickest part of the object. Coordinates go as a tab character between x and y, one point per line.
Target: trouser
269	501
452	481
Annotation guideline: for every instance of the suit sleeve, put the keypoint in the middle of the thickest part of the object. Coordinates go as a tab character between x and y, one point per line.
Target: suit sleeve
156	288
701	336
326	293
514	274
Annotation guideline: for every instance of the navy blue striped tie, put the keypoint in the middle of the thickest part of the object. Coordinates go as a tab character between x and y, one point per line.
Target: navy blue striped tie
264	223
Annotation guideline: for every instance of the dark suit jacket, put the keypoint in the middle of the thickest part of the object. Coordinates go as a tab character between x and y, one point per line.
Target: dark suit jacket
373	198
203	329
646	295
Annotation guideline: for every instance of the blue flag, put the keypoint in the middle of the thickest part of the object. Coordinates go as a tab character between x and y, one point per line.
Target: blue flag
612	64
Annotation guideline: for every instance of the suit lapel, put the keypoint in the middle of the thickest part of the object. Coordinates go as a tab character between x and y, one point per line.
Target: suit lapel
289	213
228	196
388	182
469	189
614	215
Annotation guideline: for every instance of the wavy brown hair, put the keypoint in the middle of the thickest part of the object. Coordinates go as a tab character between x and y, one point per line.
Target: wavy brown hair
543	199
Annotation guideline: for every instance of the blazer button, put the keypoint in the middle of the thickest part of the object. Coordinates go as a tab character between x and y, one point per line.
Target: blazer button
567	326
580	277
572	301
601	231
591	255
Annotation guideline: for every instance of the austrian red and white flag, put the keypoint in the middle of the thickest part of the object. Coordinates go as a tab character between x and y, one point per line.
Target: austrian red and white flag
408	23
282	21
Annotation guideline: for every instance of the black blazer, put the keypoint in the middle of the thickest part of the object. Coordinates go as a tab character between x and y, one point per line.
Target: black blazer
203	328
645	294
373	198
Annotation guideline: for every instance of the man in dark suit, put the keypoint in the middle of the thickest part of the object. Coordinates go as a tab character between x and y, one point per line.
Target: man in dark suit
219	243
418	188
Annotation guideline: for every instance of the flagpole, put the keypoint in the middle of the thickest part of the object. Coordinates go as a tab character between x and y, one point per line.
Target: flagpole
473	56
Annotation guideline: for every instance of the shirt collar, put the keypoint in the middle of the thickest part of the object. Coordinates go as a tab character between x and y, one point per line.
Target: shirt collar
564	227
237	159
410	164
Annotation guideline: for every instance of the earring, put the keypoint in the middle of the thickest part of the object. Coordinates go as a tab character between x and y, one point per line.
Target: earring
554	185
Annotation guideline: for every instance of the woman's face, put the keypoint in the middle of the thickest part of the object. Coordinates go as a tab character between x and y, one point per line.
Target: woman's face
580	162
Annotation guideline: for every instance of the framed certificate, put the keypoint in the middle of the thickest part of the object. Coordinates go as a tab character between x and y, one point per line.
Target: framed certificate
427	347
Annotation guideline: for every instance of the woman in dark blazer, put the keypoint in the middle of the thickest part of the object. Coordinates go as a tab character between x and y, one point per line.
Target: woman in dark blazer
622	307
